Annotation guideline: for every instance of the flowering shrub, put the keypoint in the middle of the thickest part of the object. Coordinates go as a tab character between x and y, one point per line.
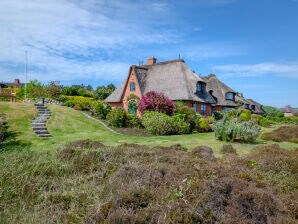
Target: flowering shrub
154	101
232	130
117	118
100	109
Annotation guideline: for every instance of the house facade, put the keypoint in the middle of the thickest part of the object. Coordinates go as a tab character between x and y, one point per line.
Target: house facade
178	82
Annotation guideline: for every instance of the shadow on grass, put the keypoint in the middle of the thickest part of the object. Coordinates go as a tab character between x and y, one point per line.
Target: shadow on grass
12	144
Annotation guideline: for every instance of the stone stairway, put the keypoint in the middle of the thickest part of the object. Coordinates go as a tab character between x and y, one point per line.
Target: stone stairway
39	122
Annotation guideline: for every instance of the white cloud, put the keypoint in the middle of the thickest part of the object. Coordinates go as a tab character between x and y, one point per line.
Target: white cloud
94	39
67	40
287	69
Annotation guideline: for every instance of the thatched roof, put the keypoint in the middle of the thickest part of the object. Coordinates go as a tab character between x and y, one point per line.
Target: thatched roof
173	78
219	90
289	109
240	97
258	106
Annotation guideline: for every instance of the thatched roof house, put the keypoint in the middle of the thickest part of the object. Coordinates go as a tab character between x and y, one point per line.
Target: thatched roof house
224	95
173	78
178	82
289	111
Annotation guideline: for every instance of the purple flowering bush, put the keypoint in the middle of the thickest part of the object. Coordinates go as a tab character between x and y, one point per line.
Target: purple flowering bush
154	101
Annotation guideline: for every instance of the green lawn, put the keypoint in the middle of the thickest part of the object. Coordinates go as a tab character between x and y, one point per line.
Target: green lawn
68	125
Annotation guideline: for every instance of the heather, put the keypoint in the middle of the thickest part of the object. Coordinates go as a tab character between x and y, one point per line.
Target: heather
89	182
284	133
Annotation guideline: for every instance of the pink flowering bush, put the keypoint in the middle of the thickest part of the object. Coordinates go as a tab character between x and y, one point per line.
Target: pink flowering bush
154	101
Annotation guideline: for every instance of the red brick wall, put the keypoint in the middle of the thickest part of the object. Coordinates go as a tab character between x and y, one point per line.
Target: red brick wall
208	107
217	108
127	92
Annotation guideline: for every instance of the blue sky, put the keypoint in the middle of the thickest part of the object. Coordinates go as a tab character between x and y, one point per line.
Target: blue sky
251	45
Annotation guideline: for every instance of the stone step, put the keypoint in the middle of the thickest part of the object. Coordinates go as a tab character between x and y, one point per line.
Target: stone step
42	132
39	123
44	111
40	119
44	135
39	129
43	116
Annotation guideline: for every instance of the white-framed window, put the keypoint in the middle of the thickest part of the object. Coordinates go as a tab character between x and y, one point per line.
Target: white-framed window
203	109
132	86
194	106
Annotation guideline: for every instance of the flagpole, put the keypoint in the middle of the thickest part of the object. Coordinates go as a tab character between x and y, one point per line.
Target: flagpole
26	75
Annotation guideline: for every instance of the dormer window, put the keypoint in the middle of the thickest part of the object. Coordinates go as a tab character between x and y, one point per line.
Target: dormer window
246	106
200	86
230	96
253	107
132	86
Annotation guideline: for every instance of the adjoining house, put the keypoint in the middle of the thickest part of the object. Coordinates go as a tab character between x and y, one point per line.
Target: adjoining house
178	82
289	111
15	84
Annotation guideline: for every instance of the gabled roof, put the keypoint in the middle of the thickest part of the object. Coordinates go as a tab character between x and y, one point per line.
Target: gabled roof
289	109
219	90
241	98
173	78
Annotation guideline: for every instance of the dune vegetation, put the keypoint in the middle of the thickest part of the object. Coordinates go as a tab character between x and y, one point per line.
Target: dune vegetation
87	174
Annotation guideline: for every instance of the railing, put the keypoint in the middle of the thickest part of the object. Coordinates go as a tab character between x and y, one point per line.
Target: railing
8	93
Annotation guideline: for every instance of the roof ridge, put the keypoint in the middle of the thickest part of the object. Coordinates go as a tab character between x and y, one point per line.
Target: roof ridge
165	62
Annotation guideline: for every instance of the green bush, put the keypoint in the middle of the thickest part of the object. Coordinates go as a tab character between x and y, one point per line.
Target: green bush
117	118
70	103
84	102
100	109
264	122
205	124
283	120
133	121
218	115
256	117
157	123
188	115
179	125
3	127
245	115
232	130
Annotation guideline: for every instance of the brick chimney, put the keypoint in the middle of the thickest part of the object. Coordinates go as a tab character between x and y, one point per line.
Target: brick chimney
16	82
151	61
